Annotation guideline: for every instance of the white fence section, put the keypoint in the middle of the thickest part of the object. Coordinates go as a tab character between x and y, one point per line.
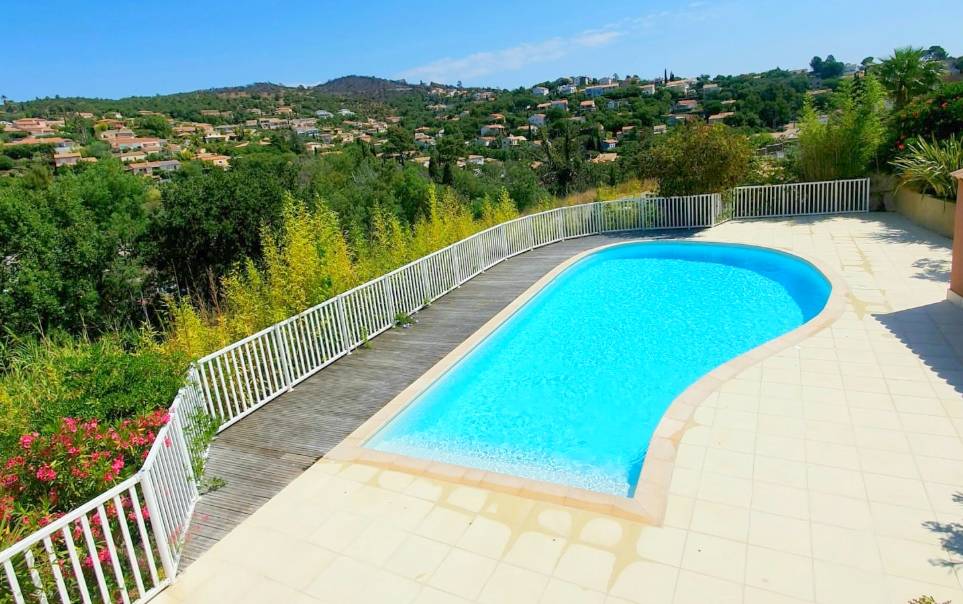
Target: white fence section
122	546
829	197
125	544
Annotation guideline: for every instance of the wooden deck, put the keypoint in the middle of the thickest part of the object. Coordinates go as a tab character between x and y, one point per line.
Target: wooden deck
261	454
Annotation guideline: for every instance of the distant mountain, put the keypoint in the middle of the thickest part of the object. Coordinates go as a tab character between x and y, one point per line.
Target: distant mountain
364	86
255	88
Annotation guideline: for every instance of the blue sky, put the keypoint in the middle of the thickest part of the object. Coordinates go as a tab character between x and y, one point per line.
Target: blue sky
121	48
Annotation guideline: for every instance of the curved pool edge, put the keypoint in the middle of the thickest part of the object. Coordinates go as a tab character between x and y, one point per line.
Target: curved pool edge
652	487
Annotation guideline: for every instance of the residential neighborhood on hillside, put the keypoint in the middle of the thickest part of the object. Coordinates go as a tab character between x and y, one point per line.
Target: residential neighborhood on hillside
626	110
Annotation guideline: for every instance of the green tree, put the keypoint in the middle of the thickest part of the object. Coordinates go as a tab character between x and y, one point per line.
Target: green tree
828	68
399	142
936	53
698	158
153	125
816	64
908	73
72	251
563	159
212	218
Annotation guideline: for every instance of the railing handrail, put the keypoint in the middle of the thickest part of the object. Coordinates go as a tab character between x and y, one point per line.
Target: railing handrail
72	516
308	341
791	184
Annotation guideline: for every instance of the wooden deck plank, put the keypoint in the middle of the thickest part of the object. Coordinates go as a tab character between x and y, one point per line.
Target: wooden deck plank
267	450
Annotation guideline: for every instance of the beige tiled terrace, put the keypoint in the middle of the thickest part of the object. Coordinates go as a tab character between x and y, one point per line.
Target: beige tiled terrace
826	473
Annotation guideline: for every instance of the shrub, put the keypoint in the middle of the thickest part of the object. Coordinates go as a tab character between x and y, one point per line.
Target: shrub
846	145
48	474
698	158
108	380
927	166
937	115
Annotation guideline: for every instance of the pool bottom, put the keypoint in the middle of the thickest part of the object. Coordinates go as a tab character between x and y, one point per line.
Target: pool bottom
647	504
524	464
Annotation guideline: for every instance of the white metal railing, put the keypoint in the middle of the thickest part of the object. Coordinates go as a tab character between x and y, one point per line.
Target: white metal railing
242	377
827	197
125	544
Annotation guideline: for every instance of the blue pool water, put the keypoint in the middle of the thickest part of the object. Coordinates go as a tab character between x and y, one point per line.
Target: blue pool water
570	388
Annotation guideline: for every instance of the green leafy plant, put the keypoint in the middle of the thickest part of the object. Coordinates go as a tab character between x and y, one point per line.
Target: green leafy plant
844	143
109	380
927	165
403	319
204	430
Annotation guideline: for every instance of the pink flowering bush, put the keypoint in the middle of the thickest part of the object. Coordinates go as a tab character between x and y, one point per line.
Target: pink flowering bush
49	474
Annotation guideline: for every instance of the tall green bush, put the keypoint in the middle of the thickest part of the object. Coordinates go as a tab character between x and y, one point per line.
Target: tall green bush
845	143
698	158
108	379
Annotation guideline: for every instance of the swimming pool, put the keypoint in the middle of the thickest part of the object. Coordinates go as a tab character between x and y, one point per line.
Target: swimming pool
570	388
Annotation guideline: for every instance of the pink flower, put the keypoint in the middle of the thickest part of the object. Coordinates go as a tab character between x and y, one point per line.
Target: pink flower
118	464
167	442
70	423
15	462
45	473
27	439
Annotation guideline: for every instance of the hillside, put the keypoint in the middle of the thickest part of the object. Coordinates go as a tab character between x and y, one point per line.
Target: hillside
364	86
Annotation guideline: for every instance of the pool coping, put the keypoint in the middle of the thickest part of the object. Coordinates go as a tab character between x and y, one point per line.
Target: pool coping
648	504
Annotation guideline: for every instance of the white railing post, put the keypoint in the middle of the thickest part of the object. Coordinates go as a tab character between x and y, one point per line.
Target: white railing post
206	390
281	345
457	264
425	283
390	293
157	524
503	241
342	315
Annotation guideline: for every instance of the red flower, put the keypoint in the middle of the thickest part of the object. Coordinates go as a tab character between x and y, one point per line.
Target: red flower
46	474
27	439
